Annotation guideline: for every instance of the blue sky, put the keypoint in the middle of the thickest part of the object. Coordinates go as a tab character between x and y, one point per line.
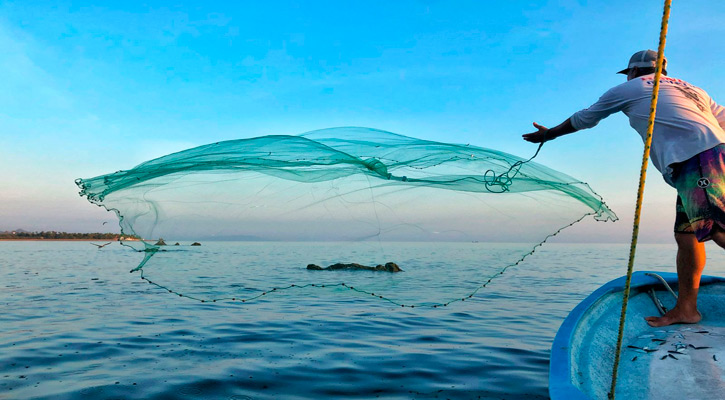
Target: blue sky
88	89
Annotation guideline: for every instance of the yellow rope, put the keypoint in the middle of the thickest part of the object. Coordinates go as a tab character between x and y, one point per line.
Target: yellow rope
640	191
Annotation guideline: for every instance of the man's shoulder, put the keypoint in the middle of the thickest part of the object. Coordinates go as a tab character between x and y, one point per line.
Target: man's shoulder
626	89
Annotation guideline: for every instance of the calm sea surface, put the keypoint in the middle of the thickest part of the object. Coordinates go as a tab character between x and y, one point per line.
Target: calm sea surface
76	324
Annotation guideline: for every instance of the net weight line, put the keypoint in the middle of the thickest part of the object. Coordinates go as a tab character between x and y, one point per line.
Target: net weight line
241	299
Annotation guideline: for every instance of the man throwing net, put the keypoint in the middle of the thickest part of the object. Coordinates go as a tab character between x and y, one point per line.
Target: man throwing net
688	148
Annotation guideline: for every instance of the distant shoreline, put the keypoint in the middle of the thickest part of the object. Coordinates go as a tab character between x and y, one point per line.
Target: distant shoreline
61	236
54	240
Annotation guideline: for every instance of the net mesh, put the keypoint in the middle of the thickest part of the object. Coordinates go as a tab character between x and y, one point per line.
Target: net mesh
339	195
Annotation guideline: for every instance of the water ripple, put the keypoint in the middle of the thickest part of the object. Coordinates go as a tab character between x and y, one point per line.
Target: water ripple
75	324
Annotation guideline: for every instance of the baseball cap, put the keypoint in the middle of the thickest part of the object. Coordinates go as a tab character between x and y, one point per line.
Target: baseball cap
643	59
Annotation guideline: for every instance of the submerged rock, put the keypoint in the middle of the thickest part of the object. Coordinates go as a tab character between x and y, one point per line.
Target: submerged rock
388	267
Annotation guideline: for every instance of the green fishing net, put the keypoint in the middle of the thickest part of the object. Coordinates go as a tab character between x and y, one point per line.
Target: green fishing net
266	207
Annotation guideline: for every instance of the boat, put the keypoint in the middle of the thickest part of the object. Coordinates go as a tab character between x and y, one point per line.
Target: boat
674	362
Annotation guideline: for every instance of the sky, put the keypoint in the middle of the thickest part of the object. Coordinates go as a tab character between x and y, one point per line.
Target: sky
87	89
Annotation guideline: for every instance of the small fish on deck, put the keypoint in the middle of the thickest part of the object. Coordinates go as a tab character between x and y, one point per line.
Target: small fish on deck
679	345
641	349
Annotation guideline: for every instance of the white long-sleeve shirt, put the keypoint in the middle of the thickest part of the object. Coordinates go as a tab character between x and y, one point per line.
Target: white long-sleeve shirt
687	122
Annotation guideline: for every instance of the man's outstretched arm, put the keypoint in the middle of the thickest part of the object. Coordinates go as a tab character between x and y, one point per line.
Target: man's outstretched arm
544	134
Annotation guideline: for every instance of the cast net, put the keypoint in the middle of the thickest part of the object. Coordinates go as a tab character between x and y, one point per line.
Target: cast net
264	208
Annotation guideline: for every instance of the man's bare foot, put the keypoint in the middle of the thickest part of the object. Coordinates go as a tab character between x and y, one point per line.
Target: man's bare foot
674	316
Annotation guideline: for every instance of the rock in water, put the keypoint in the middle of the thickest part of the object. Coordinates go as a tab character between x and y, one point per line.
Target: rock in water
160	242
388	267
196	244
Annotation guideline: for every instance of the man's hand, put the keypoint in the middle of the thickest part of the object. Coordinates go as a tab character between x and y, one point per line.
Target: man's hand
538	136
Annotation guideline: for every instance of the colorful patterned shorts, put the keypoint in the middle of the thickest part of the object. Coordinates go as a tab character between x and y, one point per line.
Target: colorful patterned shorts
700	183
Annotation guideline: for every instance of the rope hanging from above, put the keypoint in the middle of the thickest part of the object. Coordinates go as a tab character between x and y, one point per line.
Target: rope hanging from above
640	190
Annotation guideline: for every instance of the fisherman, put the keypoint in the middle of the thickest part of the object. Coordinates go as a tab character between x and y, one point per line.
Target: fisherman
687	148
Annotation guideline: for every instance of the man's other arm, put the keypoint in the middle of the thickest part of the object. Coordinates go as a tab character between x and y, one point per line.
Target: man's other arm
719	112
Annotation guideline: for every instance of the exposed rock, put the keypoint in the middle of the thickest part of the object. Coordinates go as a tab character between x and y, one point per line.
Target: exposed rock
176	244
160	242
388	267
196	244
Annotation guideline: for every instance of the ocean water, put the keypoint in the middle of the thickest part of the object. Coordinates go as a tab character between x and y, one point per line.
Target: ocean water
76	324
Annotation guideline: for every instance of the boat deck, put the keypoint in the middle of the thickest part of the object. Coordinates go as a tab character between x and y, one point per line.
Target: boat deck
675	362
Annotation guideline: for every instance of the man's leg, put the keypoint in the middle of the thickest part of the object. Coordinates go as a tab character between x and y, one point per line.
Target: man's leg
690	264
718	236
